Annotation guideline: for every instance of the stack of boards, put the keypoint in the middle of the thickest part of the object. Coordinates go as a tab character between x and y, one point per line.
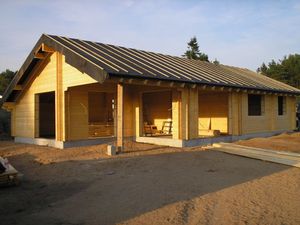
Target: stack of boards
9	176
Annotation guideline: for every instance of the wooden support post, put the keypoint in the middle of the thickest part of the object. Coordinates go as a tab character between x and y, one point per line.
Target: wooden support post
184	114
176	98
138	114
59	100
291	104
235	119
193	109
273	111
13	122
120	117
230	119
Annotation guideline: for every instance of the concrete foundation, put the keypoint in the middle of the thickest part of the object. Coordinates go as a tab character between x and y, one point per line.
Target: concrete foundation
202	141
61	144
165	141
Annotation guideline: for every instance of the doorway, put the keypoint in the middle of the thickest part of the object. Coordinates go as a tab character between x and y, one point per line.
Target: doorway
46	111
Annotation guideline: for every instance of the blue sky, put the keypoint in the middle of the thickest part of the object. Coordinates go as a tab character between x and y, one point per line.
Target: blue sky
238	33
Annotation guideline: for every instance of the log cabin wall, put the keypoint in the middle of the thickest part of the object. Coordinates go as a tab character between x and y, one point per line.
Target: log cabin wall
213	111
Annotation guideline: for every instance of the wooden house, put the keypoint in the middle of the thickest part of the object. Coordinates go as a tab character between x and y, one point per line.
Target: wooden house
71	92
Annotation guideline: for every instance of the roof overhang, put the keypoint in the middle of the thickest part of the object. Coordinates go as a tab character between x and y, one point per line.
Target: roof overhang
45	46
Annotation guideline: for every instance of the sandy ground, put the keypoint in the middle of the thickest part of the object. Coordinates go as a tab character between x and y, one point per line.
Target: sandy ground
146	185
283	142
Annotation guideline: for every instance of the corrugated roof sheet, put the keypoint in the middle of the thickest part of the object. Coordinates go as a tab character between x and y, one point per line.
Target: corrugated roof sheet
101	60
116	60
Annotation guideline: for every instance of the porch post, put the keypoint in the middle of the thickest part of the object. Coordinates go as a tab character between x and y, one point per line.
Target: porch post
176	98
59	100
138	114
120	117
193	109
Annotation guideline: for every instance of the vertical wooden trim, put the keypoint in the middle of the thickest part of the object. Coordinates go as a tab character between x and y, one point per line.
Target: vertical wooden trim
184	112
59	103
241	102
193	109
292	106
12	122
36	115
115	114
273	111
67	116
176	114
120	117
229	118
138	104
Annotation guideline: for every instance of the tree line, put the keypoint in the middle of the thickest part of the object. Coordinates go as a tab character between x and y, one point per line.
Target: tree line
5	78
286	70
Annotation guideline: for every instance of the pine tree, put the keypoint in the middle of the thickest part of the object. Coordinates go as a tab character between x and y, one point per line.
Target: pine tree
216	62
193	51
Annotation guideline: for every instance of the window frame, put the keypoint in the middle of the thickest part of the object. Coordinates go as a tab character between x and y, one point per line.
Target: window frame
281	105
256	105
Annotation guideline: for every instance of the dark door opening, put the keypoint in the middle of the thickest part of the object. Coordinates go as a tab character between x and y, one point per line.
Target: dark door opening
47	115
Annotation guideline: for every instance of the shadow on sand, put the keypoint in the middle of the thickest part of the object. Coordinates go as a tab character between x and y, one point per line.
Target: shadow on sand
109	191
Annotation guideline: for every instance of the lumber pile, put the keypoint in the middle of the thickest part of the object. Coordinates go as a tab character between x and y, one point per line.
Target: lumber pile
8	174
281	157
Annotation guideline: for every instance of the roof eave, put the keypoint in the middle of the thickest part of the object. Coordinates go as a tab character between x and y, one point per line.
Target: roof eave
70	57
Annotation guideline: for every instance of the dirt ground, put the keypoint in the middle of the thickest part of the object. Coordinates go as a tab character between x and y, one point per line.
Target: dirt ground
283	142
146	185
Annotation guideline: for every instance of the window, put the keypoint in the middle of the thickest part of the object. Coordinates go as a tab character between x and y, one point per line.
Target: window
281	105
255	105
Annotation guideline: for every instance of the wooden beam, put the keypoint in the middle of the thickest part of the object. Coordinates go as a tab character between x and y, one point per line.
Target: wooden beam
39	55
36	70
18	88
120	117
47	49
8	106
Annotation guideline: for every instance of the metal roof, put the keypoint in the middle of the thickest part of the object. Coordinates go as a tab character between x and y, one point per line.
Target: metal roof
102	60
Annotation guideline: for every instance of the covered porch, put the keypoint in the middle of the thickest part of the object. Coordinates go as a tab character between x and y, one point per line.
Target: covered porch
164	114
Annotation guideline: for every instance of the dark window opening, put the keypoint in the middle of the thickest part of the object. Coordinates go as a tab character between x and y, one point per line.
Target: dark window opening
47	115
281	105
255	105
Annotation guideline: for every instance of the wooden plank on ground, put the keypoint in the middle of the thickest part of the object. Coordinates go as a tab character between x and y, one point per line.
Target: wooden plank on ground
285	158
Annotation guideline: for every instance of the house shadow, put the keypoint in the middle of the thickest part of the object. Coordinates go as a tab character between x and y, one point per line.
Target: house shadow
112	191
